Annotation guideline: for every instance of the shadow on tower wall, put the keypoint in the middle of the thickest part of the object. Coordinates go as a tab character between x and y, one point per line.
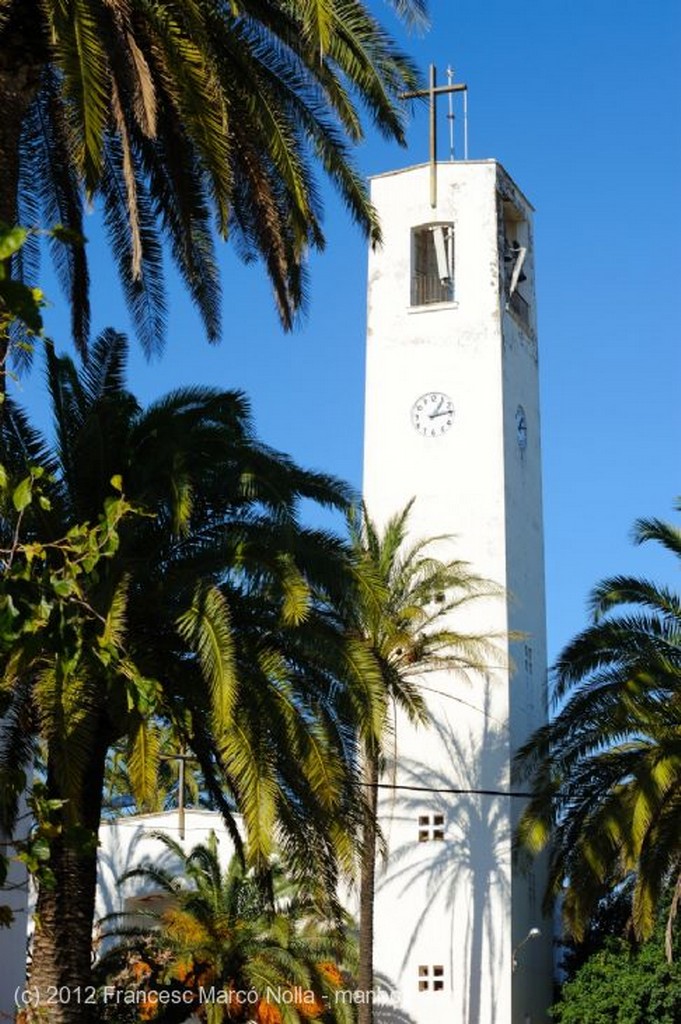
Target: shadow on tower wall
468	872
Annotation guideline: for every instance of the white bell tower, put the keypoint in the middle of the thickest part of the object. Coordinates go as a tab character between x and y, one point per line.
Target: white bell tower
452	419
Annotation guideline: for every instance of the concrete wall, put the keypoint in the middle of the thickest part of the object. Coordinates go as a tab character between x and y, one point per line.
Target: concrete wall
128	842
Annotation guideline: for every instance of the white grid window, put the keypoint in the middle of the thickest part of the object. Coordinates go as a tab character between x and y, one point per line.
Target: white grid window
431	978
431	826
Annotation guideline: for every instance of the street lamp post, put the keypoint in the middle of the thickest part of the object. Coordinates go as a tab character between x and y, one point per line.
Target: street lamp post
534	933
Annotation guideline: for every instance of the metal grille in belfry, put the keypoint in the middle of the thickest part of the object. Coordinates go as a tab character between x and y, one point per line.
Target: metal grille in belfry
426	284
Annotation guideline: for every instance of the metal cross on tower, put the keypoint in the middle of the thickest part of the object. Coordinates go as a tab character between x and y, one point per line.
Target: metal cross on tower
432	92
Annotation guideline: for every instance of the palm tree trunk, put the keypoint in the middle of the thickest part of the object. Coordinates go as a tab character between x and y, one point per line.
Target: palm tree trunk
365	979
60	973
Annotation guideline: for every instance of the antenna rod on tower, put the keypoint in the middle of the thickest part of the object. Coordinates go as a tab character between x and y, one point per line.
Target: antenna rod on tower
450	113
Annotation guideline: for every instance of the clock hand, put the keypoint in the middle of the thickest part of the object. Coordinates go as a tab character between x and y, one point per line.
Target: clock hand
443	412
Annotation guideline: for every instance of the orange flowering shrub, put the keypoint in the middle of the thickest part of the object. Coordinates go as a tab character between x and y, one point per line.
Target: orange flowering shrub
140	970
309	1008
267	1013
147	1010
332	972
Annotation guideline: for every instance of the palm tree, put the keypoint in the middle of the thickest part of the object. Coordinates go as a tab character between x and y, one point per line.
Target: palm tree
271	959
220	598
169	113
405	614
606	772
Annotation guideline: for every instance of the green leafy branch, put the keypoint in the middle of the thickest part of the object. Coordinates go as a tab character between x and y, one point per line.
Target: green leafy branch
20	303
43	602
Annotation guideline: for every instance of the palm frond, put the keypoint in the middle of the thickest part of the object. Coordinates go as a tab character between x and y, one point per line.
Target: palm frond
48	174
84	67
623	590
666	534
144	291
104	373
206	626
143	763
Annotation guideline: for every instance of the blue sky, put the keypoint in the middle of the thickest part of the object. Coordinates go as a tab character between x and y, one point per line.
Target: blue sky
579	100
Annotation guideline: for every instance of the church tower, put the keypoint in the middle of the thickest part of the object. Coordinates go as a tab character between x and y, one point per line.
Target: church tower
452	419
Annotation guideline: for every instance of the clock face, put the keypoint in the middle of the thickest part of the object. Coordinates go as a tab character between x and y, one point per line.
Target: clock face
521	427
432	414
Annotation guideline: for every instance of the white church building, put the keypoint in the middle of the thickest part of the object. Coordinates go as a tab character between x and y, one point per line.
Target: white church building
452	419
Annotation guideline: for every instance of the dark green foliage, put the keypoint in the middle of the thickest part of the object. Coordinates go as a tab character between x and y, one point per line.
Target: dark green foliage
222	594
185	119
211	614
606	771
611	919
623	984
